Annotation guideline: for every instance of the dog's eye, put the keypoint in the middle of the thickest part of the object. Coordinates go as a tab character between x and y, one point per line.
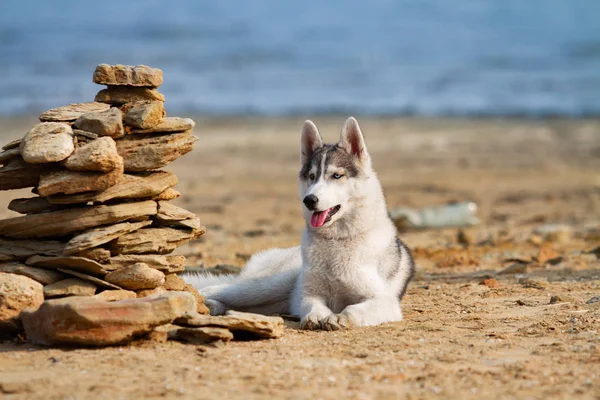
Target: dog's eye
337	176
312	177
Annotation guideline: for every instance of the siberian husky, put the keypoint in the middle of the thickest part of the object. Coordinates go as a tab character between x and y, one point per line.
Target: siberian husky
351	269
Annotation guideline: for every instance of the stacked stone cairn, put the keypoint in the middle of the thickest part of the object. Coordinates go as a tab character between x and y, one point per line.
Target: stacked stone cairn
89	260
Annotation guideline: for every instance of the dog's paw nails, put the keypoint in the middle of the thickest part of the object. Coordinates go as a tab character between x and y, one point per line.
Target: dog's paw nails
336	322
310	323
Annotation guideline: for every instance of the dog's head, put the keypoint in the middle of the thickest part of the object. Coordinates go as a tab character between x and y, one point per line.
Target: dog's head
333	176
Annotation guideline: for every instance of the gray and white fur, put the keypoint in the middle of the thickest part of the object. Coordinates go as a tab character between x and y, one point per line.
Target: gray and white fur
351	269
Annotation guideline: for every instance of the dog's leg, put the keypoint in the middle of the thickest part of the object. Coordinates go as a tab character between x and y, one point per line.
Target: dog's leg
313	311
368	313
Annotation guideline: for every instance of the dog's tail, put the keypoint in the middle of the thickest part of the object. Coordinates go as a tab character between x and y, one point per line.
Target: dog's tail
200	280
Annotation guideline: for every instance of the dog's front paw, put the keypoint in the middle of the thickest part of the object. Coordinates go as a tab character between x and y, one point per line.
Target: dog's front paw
310	322
336	322
216	307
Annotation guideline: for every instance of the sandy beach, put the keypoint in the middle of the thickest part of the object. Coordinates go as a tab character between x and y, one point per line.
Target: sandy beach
464	336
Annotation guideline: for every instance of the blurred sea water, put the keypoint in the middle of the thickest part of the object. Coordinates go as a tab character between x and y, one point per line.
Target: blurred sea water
269	57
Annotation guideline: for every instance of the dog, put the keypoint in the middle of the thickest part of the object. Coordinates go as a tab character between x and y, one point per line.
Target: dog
351	269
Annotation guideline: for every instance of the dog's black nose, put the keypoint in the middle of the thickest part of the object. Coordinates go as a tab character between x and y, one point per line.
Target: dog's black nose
311	201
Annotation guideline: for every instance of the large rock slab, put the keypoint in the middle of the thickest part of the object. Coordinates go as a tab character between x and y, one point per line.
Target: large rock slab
47	142
144	185
96	322
171	215
9	154
43	276
166	264
33	205
119	95
18	293
105	123
126	75
69	287
19	250
71	112
17	174
73	263
143	114
259	325
97	155
149	152
136	277
68	182
168	125
203	335
98	236
64	222
153	241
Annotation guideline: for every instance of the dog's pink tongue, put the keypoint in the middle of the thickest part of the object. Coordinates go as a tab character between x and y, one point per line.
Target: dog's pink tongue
318	218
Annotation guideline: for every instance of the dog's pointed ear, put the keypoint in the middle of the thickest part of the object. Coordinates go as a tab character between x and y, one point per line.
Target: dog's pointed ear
352	140
310	141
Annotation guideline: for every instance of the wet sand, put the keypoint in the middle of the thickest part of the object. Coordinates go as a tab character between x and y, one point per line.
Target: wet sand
460	338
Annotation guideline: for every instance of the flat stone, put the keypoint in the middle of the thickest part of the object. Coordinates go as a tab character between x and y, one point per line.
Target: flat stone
166	264
64	222
169	125
85	135
201	307
136	277
144	185
259	325
105	123
12	144
97	155
90	278
73	263
126	75
43	276
174	282
72	111
47	142
169	194
89	321
149	152
97	254
33	205
115	295
119	95
547	254
69	287
143	114
98	236
17	174
171	215
18	293
65	181
150	292
9	154
516	268
153	241
19	250
203	335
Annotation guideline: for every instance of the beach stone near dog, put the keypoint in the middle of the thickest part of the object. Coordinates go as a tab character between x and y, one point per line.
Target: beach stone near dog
126	75
115	295
17	293
166	264
149	152
43	276
169	194
119	95
94	322
74	263
17	174
18	250
47	142
69	182
69	287
105	123
136	277
262	326
146	184
171	215
97	155
33	205
8	155
150	292
203	335
71	112
143	114
98	236
174	282
201	307
153	241
168	125
64	222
